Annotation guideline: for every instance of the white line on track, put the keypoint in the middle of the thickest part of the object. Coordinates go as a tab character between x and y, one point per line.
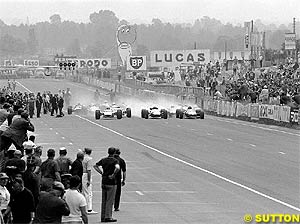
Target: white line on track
229	139
252	145
139	193
283	153
196	167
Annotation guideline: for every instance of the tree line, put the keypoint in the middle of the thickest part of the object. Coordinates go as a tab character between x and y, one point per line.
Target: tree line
97	38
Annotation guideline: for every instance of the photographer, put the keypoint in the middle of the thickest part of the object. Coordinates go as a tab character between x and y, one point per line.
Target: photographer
16	133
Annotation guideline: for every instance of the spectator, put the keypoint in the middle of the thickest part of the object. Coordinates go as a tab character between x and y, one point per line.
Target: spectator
51	206
31	180
77	168
21	203
120	177
15	165
4	197
87	180
64	162
108	167
76	203
50	170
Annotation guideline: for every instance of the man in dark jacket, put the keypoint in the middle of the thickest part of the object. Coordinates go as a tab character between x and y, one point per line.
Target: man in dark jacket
16	133
77	167
53	102
60	104
38	103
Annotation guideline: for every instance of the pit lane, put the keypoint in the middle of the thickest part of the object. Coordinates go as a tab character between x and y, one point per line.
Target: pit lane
161	189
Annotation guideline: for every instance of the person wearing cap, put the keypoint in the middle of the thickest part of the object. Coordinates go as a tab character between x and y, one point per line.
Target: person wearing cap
76	202
120	177
4	112
50	169
21	203
28	148
15	165
108	167
37	154
77	168
31	180
64	162
87	180
51	206
4	197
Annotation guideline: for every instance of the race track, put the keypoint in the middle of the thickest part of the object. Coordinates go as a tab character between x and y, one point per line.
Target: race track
182	171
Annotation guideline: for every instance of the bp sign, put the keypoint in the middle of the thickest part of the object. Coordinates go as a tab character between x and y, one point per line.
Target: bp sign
136	63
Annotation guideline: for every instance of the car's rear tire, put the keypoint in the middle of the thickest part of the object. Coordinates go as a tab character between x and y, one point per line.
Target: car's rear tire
70	109
97	114
143	113
201	115
146	115
119	114
128	112
164	114
177	113
181	115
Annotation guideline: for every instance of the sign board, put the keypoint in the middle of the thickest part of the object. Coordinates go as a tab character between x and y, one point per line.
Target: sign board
177	57
93	63
8	63
32	63
231	55
290	41
136	63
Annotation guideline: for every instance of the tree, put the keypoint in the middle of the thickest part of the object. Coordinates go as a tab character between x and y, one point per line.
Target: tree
32	43
11	46
104	18
74	47
55	19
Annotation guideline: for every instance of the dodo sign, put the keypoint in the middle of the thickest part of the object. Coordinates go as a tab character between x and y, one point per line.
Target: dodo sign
136	63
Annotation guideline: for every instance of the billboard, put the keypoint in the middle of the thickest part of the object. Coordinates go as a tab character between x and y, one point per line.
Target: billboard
8	63
230	55
174	58
93	63
136	63
32	63
290	41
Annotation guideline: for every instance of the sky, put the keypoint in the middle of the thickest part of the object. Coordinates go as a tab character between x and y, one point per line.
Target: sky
143	11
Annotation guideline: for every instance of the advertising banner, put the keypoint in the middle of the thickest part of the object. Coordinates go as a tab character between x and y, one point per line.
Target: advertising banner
177	57
285	113
241	110
290	41
263	111
93	63
232	109
136	63
228	107
240	55
8	63
271	112
254	111
32	63
276	115
294	117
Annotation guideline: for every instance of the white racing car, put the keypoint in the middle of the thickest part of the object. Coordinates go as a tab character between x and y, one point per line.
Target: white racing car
189	112
154	112
112	111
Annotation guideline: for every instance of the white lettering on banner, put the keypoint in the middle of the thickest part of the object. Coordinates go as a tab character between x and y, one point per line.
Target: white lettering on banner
8	63
276	113
285	114
32	63
263	111
240	55
271	112
290	41
294	115
219	106
93	63
242	110
136	63
233	108
177	57
224	108
228	109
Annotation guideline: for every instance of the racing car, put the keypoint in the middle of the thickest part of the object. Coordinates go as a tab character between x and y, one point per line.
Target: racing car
189	112
113	110
154	112
78	109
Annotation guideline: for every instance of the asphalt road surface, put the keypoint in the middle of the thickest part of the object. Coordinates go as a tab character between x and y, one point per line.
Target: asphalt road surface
208	171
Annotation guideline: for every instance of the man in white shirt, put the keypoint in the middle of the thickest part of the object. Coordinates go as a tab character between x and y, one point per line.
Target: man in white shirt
76	203
4	197
87	180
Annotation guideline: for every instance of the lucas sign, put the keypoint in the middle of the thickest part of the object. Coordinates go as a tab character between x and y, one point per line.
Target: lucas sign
136	63
175	58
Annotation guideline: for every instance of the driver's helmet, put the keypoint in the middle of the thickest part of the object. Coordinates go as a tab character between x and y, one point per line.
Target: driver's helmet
189	107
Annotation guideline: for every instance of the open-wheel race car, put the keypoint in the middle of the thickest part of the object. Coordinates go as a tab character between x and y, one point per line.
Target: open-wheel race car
78	109
189	112
154	112
113	111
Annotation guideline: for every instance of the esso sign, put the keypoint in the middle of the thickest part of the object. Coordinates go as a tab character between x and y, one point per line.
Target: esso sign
31	63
